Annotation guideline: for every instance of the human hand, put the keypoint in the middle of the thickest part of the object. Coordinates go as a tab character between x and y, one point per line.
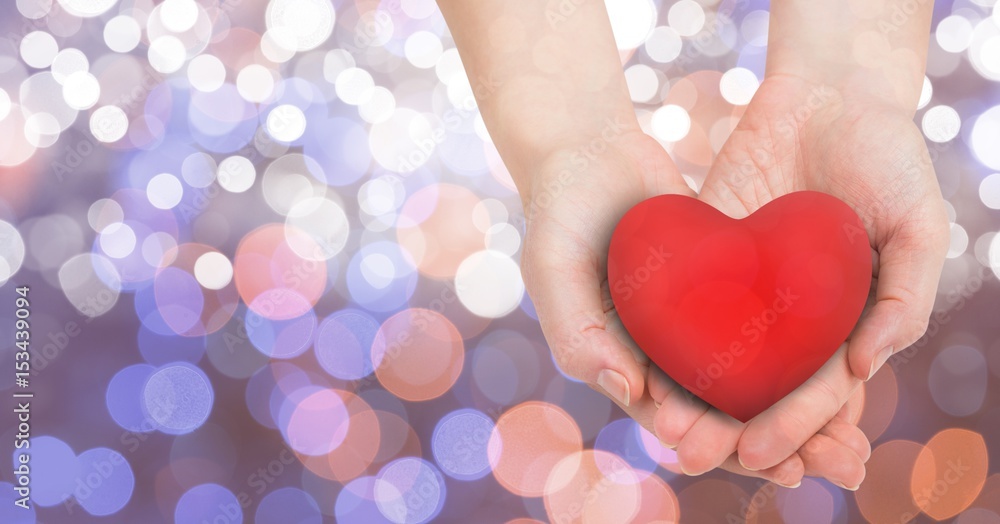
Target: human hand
574	201
798	135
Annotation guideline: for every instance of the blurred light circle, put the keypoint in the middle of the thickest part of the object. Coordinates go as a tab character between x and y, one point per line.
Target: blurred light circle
754	27
488	283
206	73
178	15
642	82
954	33
117	240
272	279
122	34
91	283
53	469
941	124
354	85
529	440
335	61
291	179
957	380
286	123
167	54
38	49
87	8
664	44
67	62
505	367
11	251
379	106
34	9
42	129
281	338
164	191
982	248
738	86
671	123
410	490
356	503
422	356
255	83
108	124
286	505
949	473
687	17
359	445
926	92
659	502
959	241
882	497
344	344
213	270
422	49
278	44
460	444
105	483
178	398
81	90
311	21
49	239
623	438
881	394
984	138
208	503
318	424
631	21
592	486
198	170
236	174
989	191
449	67
435	227
404	142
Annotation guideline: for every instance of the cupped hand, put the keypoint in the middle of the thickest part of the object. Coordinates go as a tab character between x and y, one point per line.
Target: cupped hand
576	198
796	135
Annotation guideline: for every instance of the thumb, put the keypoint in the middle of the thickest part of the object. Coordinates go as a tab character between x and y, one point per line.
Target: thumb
564	283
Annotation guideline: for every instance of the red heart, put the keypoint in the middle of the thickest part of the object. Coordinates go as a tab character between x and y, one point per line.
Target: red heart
740	312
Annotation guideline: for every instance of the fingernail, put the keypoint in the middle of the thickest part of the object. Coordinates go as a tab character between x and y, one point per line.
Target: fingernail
790	486
879	360
740	459
614	384
838	484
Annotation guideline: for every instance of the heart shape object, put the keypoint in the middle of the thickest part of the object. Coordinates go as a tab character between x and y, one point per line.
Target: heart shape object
740	312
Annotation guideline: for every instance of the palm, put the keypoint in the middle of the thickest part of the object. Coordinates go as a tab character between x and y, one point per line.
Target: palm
795	136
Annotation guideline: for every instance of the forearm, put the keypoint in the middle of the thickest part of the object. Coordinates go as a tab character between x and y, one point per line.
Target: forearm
555	79
863	48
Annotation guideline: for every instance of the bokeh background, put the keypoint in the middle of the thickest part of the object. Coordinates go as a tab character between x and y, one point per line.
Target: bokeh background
273	266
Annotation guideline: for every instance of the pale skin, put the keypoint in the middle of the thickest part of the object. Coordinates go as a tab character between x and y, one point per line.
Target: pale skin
834	114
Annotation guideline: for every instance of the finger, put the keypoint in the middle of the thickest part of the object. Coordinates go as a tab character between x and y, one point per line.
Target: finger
827	458
788	424
564	284
787	474
850	436
677	414
909	268
658	384
709	442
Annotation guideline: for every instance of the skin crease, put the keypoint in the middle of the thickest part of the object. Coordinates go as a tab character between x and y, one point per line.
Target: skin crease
558	111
